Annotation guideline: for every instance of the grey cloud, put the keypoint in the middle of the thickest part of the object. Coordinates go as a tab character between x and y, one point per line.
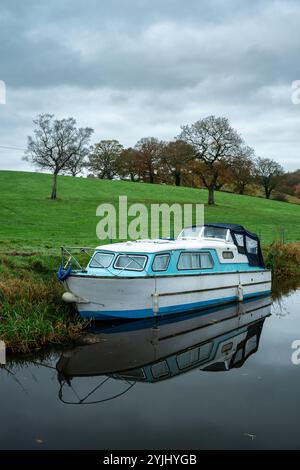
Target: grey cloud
133	68
145	46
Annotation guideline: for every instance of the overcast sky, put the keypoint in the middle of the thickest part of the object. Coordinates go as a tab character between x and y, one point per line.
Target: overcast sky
138	68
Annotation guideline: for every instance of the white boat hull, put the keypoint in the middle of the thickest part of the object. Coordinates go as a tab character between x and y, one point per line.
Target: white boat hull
143	297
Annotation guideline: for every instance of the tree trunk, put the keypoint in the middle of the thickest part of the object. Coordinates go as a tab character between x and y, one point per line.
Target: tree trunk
211	195
54	186
151	177
177	179
268	192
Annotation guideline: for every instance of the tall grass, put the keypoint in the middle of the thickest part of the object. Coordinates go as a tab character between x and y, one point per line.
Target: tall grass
284	260
32	314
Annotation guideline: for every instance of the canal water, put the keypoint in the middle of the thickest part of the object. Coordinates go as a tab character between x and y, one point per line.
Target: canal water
226	378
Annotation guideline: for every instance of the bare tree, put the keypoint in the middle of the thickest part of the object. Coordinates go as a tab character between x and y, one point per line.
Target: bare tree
175	157
150	150
243	168
269	174
55	143
215	143
103	158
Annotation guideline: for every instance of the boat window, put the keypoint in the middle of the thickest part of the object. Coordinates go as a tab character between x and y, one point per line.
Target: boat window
228	255
191	232
131	262
215	232
195	261
239	239
160	369
238	356
161	262
227	347
134	374
188	358
252	245
192	356
251	345
101	260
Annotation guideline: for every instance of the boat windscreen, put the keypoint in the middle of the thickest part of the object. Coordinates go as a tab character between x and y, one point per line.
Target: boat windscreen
205	232
191	232
131	262
215	232
101	260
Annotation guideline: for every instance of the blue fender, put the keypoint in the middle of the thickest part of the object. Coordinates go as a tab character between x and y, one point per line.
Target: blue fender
63	274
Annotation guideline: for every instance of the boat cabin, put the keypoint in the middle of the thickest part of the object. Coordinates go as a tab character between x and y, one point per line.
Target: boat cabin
197	249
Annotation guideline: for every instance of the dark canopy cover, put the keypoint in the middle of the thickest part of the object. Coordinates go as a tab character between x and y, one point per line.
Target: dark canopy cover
247	243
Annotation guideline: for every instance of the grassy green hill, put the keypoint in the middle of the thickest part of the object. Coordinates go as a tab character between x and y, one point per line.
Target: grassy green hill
30	220
33	227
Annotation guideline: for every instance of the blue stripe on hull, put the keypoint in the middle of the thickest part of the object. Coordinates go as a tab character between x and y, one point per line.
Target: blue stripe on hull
148	313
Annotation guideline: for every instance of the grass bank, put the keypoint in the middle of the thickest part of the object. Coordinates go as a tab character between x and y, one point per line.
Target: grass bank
32	314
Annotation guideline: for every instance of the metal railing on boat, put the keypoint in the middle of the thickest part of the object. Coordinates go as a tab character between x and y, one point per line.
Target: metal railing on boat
68	258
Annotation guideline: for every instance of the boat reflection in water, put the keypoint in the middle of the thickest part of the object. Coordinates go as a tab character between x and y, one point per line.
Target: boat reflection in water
150	351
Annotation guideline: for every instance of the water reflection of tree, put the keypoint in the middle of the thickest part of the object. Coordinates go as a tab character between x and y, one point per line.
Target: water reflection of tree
279	308
282	291
284	287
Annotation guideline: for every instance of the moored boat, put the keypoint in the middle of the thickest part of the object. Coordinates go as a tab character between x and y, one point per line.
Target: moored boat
205	266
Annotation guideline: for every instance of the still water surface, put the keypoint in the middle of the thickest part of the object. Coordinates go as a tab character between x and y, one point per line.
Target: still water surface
217	379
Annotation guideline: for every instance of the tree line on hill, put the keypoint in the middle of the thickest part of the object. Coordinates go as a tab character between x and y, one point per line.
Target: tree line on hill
207	154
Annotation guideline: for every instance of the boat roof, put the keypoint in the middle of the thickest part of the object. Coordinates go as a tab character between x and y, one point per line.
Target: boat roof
160	245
